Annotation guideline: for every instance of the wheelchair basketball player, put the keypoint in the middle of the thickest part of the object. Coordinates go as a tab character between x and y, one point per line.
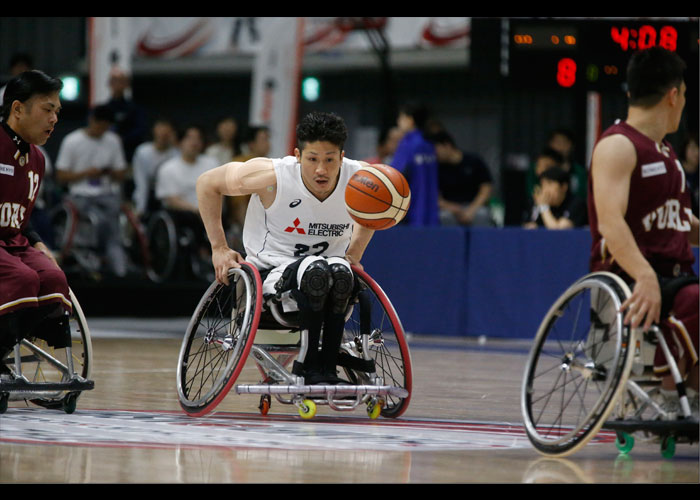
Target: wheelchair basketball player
297	232
640	213
34	293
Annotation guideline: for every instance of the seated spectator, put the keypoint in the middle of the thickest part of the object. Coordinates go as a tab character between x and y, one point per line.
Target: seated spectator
562	141
226	145
386	146
465	184
129	118
555	206
690	162
91	162
148	157
177	178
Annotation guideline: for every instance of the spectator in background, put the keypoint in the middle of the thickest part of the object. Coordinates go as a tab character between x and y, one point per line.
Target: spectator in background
415	159
556	207
547	158
562	141
129	118
177	178
19	63
91	162
689	160
465	184
226	146
148	158
256	144
387	143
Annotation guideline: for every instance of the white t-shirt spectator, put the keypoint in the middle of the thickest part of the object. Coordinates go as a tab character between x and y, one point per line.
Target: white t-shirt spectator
79	152
179	178
145	163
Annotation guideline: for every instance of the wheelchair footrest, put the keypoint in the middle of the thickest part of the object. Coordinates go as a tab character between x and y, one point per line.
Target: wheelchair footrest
321	389
681	427
21	385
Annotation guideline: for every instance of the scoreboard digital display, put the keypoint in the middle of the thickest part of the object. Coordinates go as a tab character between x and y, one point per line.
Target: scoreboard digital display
590	53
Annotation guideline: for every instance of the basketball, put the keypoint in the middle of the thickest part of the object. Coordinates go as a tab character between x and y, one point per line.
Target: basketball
377	197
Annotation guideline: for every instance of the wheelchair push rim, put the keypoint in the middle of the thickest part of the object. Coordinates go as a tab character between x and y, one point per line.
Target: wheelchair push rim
388	346
215	349
573	366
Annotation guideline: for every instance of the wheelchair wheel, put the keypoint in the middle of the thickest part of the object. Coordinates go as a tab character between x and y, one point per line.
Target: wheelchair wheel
375	314
162	246
578	365
42	363
218	340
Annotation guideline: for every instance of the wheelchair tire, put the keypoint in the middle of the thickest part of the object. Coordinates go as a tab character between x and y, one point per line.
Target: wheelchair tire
42	366
388	347
218	340
578	366
162	246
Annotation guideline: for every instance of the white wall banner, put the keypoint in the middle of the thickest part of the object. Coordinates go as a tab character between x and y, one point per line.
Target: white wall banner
109	45
275	85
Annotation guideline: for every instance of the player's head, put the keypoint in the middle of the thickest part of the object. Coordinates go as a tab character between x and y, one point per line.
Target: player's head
320	139
651	74
31	105
321	127
555	180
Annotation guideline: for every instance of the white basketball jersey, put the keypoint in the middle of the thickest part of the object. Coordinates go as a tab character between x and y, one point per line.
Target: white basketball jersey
297	224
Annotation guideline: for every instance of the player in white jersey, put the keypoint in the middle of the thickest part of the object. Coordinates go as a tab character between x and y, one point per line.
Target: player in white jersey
297	231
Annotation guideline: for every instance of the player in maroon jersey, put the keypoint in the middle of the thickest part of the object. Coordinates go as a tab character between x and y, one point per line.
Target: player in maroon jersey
34	295
639	208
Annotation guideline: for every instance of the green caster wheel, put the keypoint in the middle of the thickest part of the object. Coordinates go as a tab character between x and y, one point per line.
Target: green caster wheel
668	446
624	442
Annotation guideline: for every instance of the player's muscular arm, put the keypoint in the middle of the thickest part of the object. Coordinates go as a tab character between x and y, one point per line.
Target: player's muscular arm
231	179
358	244
613	162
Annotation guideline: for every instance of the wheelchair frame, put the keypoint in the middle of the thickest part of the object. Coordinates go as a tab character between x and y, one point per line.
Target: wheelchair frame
606	382
42	377
274	341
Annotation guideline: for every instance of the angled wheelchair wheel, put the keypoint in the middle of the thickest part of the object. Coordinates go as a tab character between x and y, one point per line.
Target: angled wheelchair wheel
43	364
218	340
375	315
162	246
578	366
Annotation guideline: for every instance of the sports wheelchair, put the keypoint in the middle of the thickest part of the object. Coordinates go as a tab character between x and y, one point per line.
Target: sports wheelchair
232	324
589	371
47	376
175	247
76	237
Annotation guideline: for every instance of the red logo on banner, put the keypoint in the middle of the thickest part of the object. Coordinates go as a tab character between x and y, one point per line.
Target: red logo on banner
295	228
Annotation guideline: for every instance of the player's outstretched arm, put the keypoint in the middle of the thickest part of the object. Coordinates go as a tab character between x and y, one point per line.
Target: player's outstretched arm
231	179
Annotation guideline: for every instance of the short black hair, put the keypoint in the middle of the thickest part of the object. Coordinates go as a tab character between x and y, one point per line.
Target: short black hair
103	113
556	174
651	73
442	137
321	126
418	111
251	132
552	154
27	85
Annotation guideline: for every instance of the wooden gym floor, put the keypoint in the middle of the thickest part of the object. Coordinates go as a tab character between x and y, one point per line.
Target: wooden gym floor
463	426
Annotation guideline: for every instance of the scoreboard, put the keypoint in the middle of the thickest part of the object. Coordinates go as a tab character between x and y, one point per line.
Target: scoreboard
588	53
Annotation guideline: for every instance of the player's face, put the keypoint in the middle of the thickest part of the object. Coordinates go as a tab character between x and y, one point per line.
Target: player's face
37	118
320	167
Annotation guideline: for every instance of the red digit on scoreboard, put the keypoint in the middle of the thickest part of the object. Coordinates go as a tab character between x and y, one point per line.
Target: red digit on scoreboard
566	72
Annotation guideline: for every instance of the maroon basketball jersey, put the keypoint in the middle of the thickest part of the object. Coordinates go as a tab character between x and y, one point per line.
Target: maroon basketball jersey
21	172
658	210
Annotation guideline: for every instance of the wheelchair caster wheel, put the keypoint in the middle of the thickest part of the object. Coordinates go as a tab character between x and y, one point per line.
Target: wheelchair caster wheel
307	409
668	446
265	402
374	409
624	442
70	402
4	397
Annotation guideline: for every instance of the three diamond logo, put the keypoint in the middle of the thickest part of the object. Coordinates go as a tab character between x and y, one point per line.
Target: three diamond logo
295	227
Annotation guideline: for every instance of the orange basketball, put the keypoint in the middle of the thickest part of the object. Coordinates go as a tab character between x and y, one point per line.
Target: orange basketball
377	196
